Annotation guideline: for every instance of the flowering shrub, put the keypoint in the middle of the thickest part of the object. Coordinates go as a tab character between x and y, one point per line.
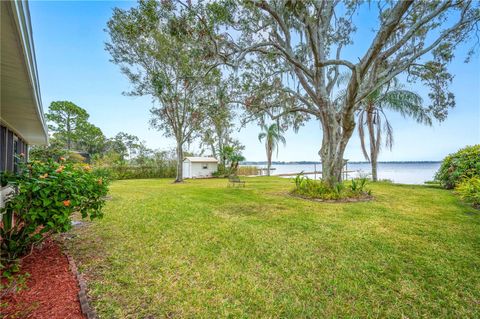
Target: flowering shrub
45	195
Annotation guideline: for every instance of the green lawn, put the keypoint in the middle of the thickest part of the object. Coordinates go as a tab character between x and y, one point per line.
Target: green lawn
203	250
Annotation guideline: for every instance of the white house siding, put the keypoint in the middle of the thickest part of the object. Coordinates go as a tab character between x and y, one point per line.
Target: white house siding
197	169
186	169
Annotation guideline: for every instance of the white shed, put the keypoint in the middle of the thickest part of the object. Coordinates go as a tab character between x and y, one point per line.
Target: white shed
199	167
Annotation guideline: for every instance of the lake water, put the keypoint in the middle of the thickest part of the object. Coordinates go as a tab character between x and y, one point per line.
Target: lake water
403	173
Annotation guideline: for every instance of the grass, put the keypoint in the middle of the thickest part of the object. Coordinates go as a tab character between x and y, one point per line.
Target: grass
203	250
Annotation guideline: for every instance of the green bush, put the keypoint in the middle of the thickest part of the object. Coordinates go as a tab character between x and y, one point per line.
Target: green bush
125	171
54	153
461	165
226	171
113	166
46	153
45	195
310	188
469	190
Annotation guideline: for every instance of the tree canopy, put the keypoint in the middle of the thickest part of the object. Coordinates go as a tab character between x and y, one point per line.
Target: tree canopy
72	130
293	52
162	47
65	119
288	58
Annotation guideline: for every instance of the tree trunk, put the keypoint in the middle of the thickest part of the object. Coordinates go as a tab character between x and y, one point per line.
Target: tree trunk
374	170
214	152
179	178
269	161
69	134
373	143
334	141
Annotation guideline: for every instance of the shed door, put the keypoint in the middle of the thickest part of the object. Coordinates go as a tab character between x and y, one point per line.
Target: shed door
186	169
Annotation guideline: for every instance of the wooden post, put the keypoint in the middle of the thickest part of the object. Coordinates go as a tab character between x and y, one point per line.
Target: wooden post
345	168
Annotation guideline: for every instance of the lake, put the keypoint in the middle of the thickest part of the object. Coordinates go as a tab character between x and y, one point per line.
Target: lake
402	173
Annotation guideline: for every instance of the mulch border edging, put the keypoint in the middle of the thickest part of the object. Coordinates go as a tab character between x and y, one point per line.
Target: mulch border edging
82	294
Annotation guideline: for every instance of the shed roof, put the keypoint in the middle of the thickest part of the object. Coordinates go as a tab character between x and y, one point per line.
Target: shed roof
202	159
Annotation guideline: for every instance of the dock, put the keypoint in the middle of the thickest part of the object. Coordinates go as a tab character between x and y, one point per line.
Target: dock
311	173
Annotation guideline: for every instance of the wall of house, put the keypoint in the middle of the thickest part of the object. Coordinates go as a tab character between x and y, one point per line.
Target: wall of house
10	145
199	170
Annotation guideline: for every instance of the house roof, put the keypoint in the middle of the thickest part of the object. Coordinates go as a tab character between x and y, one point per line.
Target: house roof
21	104
202	159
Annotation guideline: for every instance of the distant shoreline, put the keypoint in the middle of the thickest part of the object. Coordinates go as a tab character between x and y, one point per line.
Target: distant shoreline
350	162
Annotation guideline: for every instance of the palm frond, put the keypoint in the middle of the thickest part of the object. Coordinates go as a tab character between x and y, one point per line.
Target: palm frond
261	136
388	132
361	134
408	104
339	96
378	138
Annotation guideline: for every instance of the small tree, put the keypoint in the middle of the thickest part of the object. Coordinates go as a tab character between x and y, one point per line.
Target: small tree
232	156
216	133
124	144
372	118
162	47
272	135
66	118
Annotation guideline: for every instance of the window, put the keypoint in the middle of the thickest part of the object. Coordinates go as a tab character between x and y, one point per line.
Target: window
15	154
205	166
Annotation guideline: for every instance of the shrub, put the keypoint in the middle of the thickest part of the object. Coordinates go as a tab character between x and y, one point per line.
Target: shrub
125	171
463	164
310	188
226	171
113	166
247	170
469	190
45	195
358	184
54	153
46	153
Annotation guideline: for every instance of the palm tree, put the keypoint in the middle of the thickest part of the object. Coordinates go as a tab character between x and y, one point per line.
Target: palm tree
371	117
232	154
272	135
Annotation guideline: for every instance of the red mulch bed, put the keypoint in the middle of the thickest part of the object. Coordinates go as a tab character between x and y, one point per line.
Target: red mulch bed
52	289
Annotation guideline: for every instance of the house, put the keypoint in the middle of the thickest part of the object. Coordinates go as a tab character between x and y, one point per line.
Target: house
22	121
21	114
199	167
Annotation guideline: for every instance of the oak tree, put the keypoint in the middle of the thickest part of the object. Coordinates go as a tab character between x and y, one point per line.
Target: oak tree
304	43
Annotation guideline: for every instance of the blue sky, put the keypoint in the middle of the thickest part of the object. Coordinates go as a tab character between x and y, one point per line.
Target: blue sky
73	65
